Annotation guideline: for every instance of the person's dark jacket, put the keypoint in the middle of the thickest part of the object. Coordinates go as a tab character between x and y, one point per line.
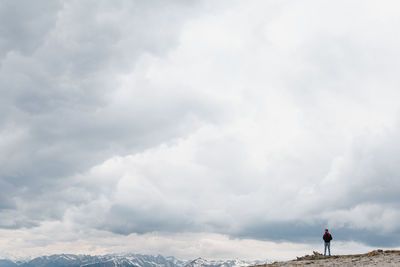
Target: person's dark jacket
327	237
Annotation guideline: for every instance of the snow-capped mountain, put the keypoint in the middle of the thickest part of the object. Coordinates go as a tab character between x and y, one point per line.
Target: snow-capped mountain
128	260
7	263
199	262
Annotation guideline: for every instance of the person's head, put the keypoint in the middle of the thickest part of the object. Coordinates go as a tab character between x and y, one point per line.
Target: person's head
326	230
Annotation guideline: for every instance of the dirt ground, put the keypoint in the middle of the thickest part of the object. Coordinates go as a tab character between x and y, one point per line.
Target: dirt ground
374	258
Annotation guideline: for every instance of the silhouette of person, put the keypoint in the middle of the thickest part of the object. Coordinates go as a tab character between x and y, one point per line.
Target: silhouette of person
327	237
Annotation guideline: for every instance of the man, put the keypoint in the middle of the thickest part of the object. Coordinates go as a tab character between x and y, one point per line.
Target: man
327	238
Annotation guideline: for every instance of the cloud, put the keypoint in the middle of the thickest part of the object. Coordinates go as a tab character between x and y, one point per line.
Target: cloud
25	26
60	97
186	187
266	121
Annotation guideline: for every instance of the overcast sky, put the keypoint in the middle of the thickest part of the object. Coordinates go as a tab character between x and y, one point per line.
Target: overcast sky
220	129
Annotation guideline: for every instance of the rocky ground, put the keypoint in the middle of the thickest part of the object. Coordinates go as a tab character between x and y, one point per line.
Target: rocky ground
374	258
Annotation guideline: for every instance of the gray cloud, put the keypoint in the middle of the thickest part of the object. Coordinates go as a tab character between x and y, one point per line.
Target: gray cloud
57	118
24	27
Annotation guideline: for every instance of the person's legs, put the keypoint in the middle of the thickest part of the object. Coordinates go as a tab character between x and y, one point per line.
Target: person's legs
329	248
325	245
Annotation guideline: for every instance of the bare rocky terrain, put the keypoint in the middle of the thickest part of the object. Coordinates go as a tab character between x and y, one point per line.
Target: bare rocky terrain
374	258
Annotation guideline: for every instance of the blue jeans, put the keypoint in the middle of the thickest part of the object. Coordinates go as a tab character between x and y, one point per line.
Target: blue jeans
327	245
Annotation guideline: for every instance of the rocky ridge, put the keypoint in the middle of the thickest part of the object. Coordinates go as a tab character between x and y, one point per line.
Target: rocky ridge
374	258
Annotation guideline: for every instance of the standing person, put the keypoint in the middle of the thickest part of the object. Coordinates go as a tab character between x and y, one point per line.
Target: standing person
327	238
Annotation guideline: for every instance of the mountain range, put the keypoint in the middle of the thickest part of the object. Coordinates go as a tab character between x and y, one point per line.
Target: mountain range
128	260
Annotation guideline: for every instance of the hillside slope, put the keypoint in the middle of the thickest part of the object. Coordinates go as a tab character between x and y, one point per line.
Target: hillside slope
374	258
